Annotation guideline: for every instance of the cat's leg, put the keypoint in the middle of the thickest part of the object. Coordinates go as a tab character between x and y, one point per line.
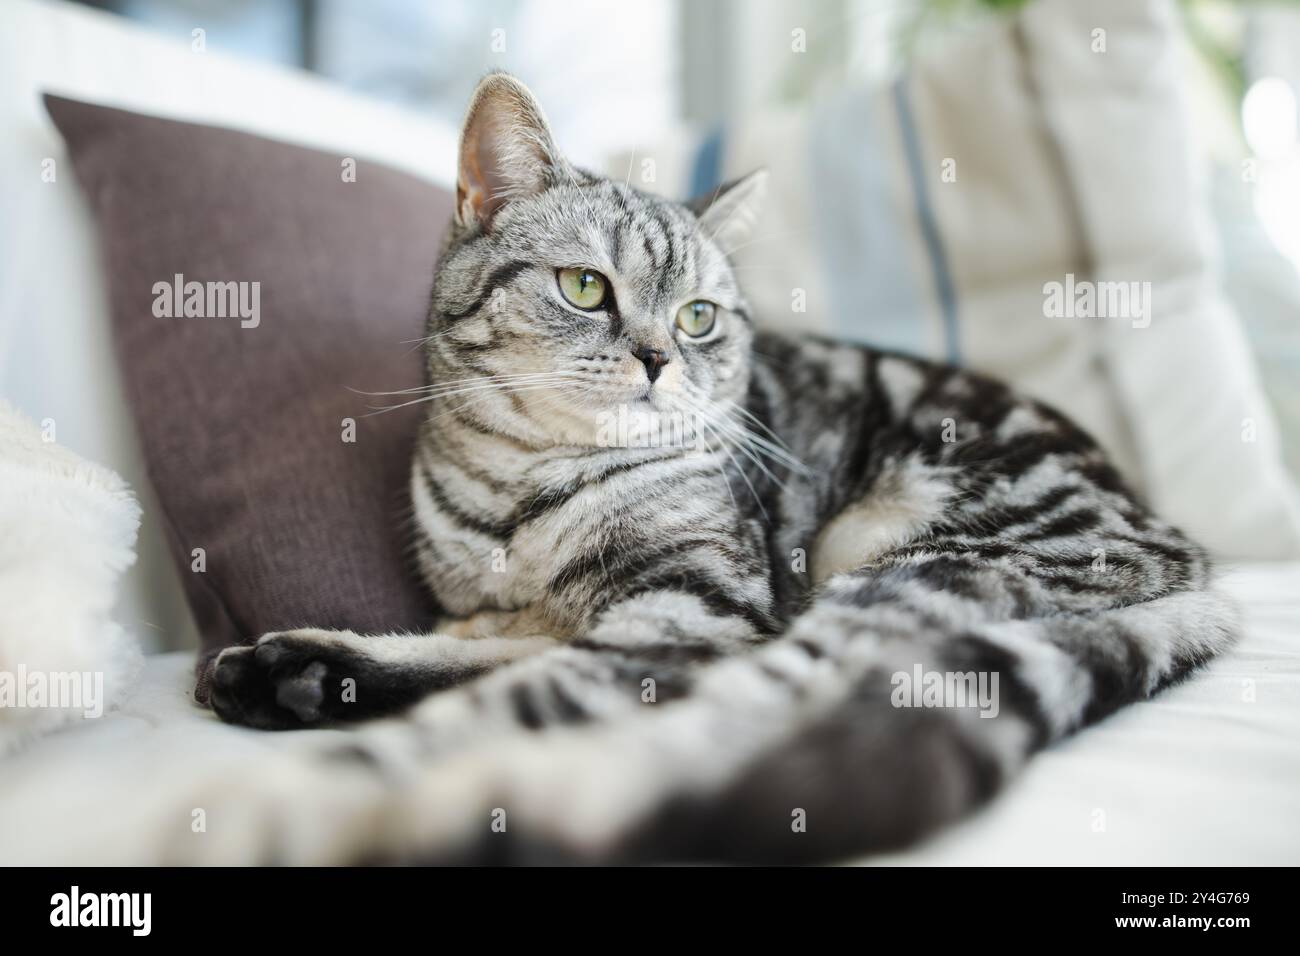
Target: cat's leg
526	622
641	651
640	647
681	607
646	615
306	677
344	801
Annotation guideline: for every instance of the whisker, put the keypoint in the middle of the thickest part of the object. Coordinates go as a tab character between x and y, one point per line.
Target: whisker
776	450
680	404
776	447
502	379
505	390
741	439
489	387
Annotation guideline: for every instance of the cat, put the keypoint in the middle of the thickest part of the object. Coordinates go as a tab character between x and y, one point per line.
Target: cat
681	649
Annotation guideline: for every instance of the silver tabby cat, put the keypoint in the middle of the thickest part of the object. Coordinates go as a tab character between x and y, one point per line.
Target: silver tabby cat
678	649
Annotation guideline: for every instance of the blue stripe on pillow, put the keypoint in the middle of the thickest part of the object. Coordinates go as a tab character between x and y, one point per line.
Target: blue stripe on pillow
944	288
706	173
874	291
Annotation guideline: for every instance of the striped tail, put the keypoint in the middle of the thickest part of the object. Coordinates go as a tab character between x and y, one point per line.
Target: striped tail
863	774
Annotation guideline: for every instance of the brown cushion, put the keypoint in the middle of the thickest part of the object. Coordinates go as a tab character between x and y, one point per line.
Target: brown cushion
241	427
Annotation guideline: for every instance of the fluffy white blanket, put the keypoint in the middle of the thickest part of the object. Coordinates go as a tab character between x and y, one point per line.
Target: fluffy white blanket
67	532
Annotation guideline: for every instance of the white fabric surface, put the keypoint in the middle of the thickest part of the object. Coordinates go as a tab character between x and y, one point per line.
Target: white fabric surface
1202	775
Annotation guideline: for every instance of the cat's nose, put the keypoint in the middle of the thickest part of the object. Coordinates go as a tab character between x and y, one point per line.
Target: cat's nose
653	359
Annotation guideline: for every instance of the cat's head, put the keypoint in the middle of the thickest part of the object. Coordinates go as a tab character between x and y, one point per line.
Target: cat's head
563	297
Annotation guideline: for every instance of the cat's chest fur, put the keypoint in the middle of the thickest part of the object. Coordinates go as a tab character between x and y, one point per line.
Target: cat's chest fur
503	528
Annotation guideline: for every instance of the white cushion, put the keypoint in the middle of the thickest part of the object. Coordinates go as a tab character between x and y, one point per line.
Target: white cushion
67	532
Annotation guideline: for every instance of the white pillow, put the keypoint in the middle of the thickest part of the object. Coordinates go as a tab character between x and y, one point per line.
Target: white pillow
67	533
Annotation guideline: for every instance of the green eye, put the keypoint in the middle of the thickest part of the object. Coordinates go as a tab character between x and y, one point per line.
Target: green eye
585	289
696	318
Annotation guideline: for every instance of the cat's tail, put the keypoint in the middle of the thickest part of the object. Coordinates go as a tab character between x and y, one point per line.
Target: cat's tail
901	735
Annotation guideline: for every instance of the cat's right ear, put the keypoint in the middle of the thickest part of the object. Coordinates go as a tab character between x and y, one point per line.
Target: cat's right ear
506	150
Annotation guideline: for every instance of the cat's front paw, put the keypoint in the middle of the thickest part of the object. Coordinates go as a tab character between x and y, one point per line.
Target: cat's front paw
285	681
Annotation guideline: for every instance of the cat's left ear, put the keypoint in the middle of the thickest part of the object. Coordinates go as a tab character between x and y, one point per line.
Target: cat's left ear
728	214
506	150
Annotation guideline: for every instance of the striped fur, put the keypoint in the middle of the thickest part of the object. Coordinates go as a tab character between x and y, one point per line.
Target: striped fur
674	651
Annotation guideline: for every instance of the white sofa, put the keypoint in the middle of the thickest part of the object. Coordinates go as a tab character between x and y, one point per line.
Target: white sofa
1207	774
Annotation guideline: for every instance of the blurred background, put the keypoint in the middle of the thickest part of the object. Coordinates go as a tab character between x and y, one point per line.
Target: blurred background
616	78
626	73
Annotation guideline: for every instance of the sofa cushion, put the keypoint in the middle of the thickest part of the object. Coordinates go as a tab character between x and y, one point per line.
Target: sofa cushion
256	288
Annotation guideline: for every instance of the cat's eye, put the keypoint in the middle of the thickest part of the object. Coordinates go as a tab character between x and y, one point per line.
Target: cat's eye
584	289
697	318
